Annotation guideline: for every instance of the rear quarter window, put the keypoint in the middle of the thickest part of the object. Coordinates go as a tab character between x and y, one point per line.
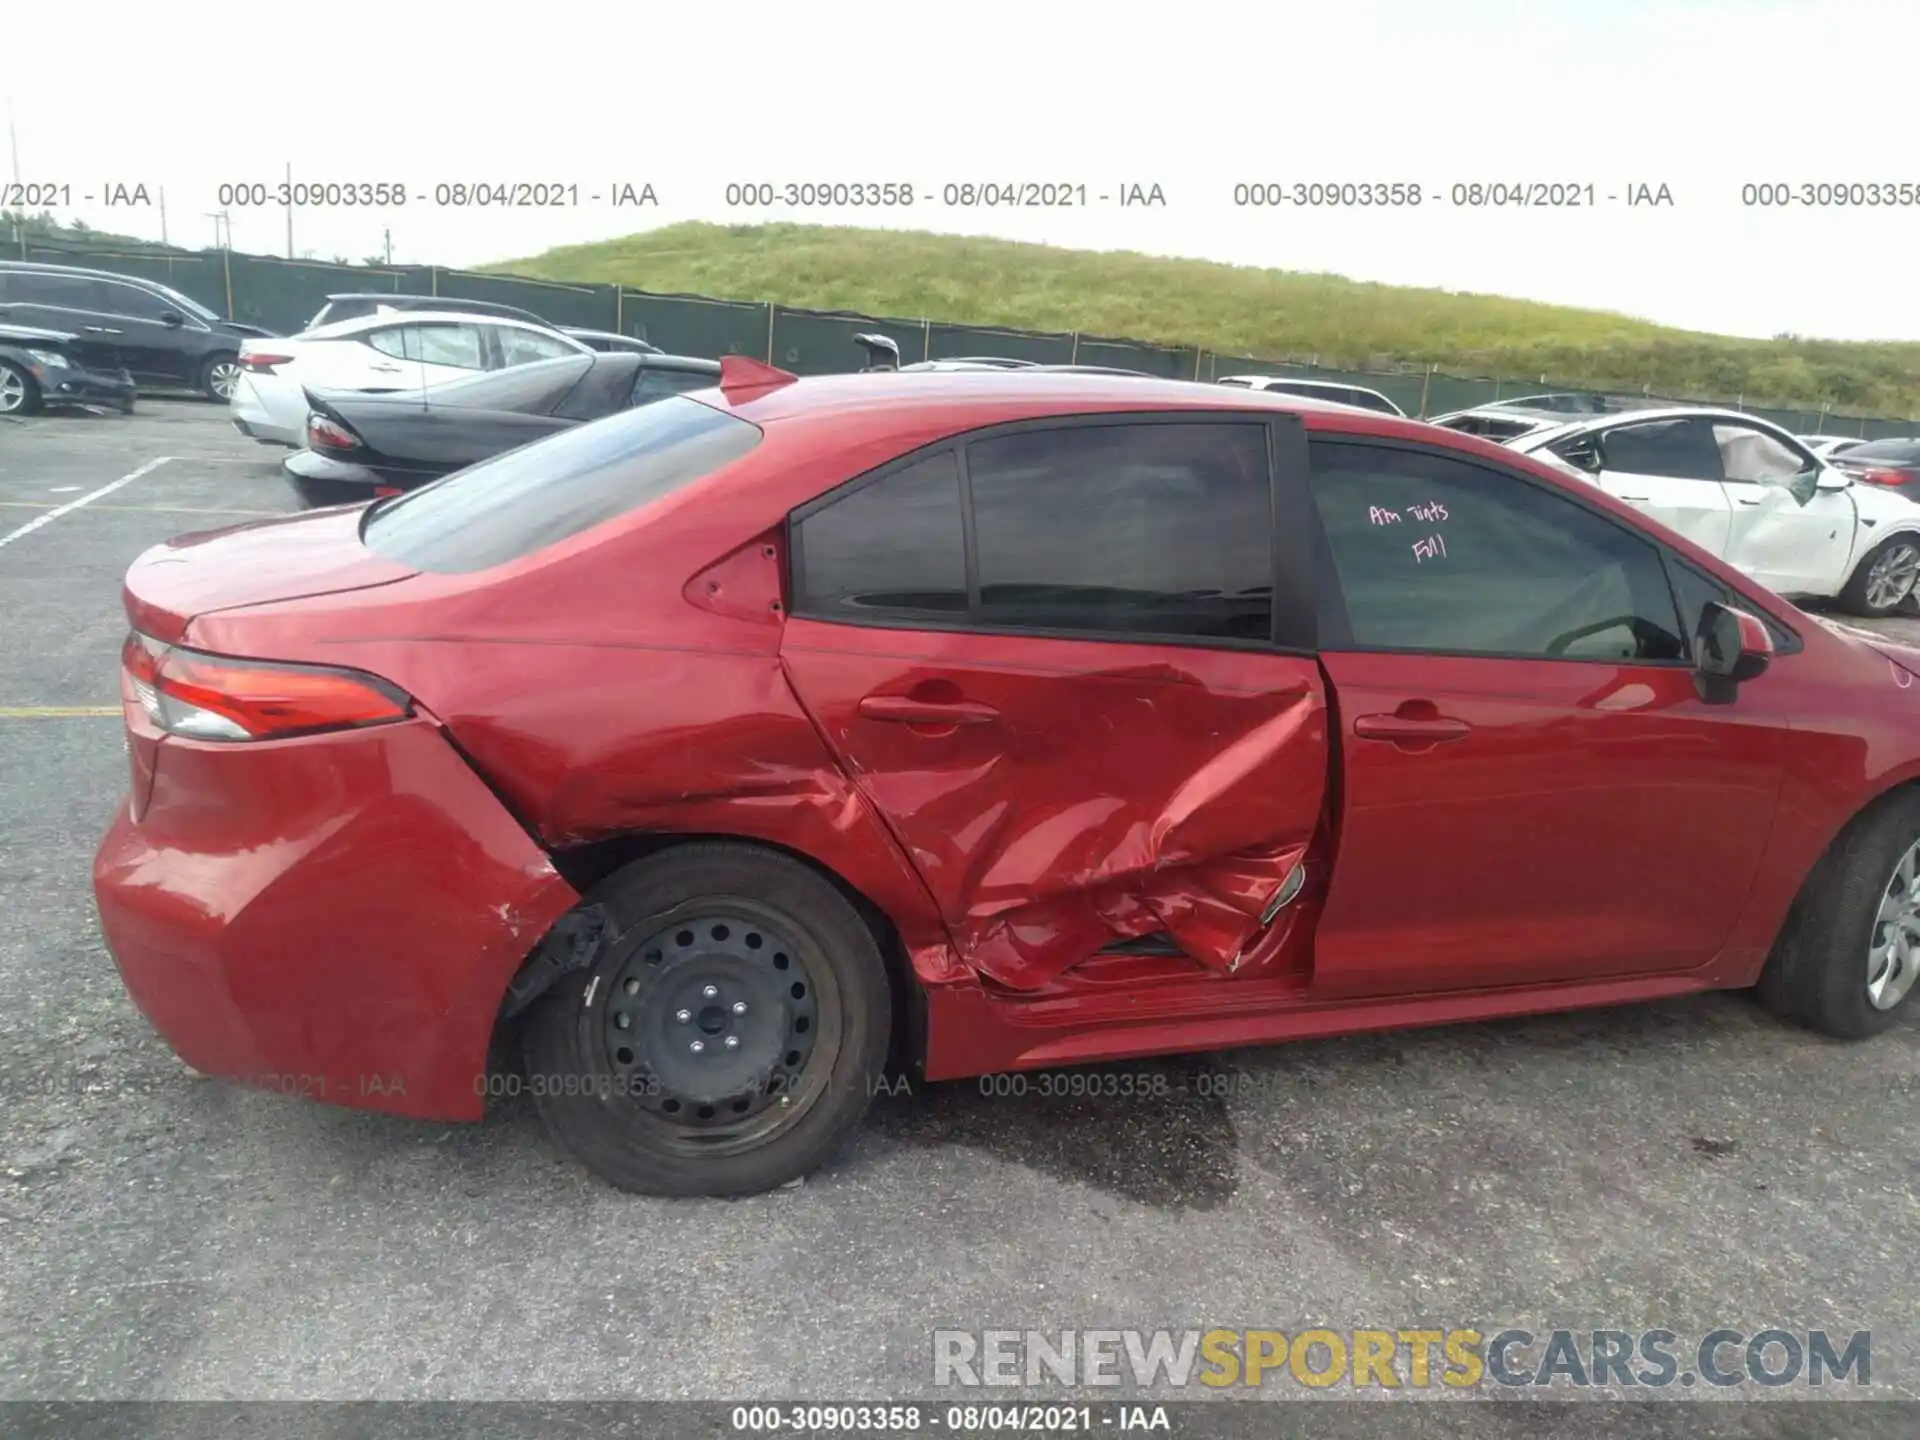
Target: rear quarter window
540	494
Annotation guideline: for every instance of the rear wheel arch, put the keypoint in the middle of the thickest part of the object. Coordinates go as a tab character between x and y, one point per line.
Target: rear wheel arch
587	866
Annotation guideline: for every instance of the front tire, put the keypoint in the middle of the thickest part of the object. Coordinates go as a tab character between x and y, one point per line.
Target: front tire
218	376
18	393
1884	579
1850	952
726	1037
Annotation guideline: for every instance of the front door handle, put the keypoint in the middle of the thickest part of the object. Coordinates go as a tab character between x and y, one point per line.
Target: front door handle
1405	729
386	369
1750	502
99	330
905	710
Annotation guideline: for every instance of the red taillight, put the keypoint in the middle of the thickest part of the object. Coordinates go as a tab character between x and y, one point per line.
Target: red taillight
215	697
263	364
325	434
1880	477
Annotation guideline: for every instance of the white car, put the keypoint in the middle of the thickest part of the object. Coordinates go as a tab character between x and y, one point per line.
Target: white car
385	353
1752	494
1498	423
1331	390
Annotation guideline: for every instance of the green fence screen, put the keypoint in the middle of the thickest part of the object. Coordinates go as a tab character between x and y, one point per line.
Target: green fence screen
283	295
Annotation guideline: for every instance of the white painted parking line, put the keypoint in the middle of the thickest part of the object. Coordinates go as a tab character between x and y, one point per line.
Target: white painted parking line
54	514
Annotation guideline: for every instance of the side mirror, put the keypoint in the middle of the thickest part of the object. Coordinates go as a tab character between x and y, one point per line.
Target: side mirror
1833	478
1734	645
172	319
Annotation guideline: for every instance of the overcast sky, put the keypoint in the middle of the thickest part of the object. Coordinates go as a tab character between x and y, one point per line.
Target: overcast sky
1701	97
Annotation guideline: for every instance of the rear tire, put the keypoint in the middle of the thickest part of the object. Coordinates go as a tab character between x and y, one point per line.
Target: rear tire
726	1037
218	375
18	393
1884	579
1847	958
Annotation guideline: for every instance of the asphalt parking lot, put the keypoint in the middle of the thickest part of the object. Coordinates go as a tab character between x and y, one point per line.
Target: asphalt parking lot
1686	1165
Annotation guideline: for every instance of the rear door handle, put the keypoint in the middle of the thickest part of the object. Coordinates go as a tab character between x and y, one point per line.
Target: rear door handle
386	369
1750	502
905	710
1404	728
100	330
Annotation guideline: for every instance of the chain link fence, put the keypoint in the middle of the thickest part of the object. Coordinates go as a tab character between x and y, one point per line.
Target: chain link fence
283	295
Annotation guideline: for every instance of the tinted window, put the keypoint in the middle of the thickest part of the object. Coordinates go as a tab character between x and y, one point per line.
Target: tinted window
1143	529
1683	449
652	382
1750	454
75	292
133	301
1439	554
894	547
337	310
185	303
1695	589
543	493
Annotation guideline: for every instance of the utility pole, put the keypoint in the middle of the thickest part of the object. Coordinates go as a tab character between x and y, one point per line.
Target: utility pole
163	214
386	236
13	141
289	211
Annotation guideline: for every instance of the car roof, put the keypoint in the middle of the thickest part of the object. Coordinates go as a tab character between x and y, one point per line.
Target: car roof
379	321
42	268
1260	382
1556	433
905	400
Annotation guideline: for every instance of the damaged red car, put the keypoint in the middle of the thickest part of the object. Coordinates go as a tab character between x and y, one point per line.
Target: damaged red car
724	752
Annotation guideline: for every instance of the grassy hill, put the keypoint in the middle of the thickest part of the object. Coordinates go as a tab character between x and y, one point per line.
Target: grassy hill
1231	309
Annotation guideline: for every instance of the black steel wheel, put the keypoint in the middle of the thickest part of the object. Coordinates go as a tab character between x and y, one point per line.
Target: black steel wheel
710	1025
728	1034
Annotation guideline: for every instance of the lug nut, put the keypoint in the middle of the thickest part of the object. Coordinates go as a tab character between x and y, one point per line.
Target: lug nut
733	1042
710	991
683	1016
698	1046
739	1007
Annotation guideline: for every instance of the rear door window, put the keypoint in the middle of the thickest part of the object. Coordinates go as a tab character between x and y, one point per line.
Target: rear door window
546	492
1126	530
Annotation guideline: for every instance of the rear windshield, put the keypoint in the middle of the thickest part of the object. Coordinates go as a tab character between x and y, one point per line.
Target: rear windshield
546	492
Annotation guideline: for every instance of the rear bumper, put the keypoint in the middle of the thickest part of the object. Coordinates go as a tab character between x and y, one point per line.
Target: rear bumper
320	480
268	415
334	916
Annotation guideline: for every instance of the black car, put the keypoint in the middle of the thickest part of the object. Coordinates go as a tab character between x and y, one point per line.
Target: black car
609	340
121	322
40	369
359	306
1893	464
361	446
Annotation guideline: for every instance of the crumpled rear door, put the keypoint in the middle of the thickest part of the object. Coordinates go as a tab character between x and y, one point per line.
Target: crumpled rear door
1058	795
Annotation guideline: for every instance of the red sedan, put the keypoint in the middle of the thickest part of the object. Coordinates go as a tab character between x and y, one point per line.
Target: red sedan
998	720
